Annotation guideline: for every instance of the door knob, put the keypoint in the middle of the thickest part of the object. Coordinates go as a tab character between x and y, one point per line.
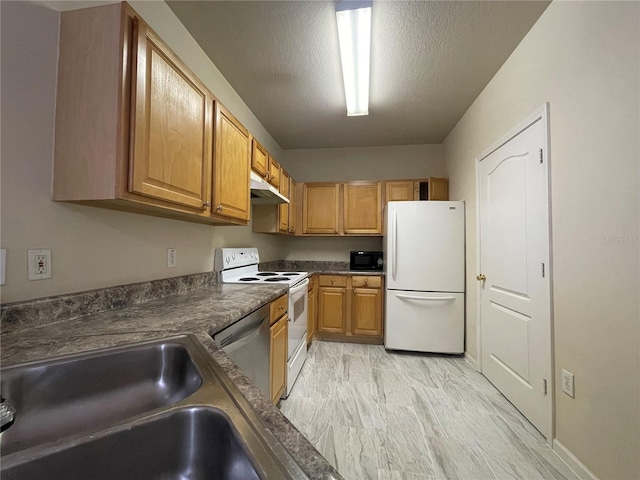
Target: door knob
481	277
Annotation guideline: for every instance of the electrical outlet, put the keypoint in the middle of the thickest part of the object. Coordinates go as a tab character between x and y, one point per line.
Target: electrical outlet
172	260
568	385
39	264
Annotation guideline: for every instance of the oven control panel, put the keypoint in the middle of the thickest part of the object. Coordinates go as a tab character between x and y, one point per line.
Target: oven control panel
226	258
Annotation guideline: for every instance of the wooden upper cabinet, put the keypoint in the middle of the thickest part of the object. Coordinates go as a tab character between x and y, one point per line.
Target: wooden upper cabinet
321	208
401	190
362	208
293	205
135	127
283	208
274	172
438	188
171	117
260	159
232	160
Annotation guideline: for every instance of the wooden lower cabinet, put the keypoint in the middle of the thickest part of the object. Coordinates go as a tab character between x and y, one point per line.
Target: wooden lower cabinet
332	309
279	320
352	310
278	361
366	311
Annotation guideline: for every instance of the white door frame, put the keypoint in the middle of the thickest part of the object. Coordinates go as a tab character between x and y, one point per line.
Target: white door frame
541	114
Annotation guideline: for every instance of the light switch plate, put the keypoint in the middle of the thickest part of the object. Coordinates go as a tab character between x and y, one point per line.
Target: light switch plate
3	265
172	259
568	385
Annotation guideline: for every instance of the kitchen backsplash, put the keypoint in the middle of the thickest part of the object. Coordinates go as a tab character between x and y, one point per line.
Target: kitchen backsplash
31	313
41	311
304	266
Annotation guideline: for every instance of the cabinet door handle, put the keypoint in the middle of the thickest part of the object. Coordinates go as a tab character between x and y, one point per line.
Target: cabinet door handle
219	208
206	204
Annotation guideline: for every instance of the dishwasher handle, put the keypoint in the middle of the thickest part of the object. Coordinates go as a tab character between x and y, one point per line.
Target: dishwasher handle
242	330
233	343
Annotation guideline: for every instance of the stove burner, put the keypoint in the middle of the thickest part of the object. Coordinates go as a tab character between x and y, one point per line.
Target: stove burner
249	279
266	274
277	279
291	273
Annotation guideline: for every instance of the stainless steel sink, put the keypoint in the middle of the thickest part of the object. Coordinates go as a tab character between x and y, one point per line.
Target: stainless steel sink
155	410
193	443
87	392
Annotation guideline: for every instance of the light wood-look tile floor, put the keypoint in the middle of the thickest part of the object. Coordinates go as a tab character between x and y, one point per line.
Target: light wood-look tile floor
375	414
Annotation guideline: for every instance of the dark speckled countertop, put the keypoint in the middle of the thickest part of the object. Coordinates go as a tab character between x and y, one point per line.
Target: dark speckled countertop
202	312
313	267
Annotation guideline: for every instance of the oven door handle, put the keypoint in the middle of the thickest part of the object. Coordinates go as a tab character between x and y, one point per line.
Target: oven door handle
299	286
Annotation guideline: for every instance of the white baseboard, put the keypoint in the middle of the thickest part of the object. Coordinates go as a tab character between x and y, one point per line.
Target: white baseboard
471	361
572	461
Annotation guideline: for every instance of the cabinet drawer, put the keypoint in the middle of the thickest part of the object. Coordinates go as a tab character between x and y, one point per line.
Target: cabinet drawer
312	282
333	280
359	281
278	308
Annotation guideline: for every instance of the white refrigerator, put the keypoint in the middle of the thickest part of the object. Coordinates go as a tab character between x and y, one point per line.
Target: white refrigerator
424	274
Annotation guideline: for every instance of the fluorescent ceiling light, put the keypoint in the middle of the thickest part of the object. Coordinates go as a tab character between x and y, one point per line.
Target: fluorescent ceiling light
354	35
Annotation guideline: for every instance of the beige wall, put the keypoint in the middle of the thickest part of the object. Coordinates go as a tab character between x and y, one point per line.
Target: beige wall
91	247
95	248
356	163
365	163
583	58
329	248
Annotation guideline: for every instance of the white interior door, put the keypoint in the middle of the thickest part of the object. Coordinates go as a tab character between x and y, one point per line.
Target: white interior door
515	310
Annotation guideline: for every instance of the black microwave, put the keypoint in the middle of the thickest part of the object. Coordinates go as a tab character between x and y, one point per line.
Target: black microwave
360	260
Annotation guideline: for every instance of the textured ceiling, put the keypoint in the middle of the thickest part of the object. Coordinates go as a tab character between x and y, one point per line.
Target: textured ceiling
429	61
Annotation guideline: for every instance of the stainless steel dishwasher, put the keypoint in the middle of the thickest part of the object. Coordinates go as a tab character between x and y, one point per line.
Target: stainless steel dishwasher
247	342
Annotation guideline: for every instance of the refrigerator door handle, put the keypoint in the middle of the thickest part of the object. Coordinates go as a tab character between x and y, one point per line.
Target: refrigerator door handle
394	248
429	299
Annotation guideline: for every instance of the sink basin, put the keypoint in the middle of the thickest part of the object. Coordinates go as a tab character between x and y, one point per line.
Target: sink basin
87	392
157	410
192	443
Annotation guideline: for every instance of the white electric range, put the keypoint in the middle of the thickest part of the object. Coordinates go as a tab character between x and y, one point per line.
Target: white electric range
240	265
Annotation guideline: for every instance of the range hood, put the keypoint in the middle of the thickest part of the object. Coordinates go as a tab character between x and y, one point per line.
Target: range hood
263	193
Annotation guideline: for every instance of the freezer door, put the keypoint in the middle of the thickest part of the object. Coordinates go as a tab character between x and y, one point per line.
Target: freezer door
424	321
424	246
